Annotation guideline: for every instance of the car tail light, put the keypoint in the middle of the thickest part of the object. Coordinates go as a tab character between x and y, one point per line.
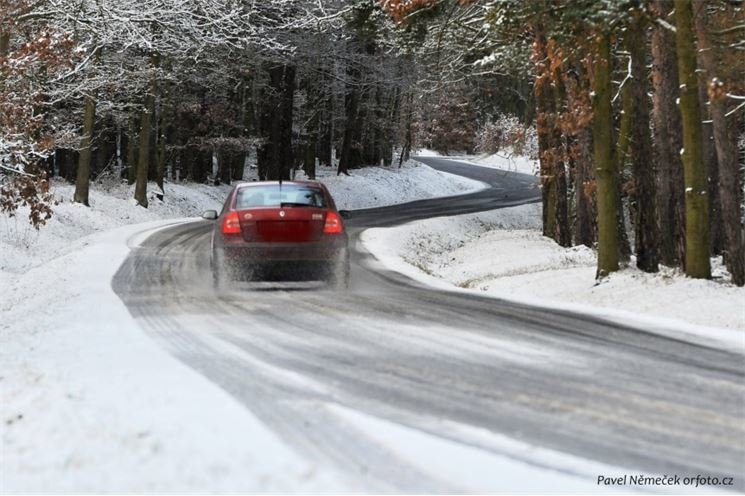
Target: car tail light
231	224
333	224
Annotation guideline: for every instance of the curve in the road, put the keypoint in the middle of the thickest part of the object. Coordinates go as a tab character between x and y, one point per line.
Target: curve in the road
429	359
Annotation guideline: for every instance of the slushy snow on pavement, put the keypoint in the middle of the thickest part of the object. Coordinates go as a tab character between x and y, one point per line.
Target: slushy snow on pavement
502	253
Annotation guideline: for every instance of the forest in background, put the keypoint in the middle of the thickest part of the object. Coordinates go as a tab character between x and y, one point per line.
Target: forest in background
637	106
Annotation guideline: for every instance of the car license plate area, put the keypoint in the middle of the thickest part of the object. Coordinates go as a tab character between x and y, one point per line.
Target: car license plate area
286	231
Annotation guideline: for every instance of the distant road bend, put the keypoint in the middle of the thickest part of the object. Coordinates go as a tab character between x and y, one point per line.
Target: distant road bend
427	359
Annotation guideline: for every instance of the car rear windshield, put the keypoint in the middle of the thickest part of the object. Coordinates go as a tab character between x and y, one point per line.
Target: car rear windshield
274	195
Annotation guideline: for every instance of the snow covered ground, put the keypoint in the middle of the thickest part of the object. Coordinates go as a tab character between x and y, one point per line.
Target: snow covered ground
504	160
377	186
89	403
502	253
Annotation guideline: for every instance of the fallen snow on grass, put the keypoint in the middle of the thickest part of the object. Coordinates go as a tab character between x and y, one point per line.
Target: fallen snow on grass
378	186
90	404
502	253
23	247
506	160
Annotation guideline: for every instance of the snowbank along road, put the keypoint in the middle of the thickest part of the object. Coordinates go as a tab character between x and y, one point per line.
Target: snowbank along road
350	379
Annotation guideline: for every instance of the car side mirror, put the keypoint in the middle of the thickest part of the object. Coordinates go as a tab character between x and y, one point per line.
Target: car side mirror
345	214
210	215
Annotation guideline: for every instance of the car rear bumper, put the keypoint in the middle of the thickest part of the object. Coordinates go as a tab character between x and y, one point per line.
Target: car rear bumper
328	250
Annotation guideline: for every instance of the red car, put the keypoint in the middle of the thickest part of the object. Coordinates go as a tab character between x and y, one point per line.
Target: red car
290	228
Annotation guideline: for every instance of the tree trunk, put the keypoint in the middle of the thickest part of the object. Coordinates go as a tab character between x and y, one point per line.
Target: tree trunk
350	133
160	161
286	161
622	147
607	196
143	164
725	140
326	131
544	128
4	44
694	171
562	233
132	149
406	149
647	258
239	166
275	154
667	142
82	181
706	71
585	227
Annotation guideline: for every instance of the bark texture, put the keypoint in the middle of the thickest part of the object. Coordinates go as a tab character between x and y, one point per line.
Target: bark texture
643	191
146	118
667	141
603	160
82	181
729	179
697	191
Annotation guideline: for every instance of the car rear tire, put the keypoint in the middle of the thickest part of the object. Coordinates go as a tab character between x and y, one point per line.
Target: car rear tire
219	274
338	278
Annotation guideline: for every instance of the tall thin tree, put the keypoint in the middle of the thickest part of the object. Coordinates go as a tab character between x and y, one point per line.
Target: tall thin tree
696	193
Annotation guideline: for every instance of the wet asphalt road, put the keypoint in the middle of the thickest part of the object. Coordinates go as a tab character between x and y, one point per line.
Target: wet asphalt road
432	360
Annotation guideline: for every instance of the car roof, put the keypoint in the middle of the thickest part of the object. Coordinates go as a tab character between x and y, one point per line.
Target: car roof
268	183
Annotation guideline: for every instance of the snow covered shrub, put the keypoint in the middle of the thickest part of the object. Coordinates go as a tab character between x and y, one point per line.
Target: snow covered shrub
507	132
24	190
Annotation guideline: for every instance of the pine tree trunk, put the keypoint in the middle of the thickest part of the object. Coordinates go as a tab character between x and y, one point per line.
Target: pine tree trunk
725	140
585	230
647	258
143	164
622	147
730	184
694	169
406	149
268	152
350	132
132	148
82	181
607	193
4	44
286	160
326	131
562	233
624	127
705	72
544	127
667	142
580	153
239	166
161	152
274	156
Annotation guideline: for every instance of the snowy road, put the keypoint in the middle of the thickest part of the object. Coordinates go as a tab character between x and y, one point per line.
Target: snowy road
379	381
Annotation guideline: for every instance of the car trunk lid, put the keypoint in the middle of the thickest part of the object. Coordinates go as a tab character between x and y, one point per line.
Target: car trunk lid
282	225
